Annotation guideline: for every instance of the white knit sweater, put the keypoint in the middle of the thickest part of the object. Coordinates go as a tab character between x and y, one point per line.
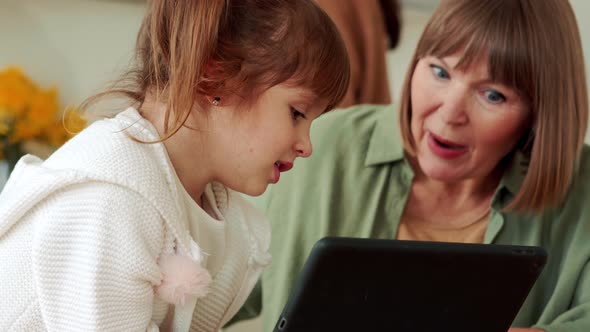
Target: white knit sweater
80	235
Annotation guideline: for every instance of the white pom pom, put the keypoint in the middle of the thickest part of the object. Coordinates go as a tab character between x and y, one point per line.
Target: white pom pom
181	278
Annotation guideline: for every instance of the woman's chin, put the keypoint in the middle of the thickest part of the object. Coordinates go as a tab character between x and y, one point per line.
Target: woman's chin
442	174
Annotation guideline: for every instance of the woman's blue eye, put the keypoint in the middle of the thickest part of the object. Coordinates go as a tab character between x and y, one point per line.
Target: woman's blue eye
494	97
439	72
296	114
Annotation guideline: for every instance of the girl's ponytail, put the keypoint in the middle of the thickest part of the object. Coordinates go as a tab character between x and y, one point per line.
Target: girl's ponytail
182	39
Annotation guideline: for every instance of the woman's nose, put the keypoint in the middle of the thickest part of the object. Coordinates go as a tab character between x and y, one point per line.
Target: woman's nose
454	106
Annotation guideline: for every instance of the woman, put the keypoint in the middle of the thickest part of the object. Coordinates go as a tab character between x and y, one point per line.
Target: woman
488	148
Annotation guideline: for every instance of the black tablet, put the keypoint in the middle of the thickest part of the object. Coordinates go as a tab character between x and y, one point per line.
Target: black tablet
351	284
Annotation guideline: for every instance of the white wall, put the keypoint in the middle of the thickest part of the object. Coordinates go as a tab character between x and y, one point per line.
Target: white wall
80	45
582	11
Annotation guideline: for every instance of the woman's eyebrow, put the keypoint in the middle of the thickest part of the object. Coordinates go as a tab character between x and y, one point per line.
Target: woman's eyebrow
444	62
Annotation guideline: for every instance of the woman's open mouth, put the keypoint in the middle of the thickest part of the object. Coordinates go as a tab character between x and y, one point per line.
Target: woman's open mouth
444	148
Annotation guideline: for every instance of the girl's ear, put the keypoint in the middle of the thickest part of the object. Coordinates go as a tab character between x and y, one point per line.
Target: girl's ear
215	101
212	72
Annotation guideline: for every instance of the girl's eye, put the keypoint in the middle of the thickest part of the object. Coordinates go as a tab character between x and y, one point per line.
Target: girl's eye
494	97
439	72
296	114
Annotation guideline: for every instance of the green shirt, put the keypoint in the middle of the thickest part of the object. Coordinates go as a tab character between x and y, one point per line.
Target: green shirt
357	183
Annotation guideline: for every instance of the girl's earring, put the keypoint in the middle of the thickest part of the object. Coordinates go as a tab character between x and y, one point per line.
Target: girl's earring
216	101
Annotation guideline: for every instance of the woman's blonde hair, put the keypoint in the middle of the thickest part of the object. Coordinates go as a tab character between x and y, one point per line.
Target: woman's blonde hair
189	49
534	47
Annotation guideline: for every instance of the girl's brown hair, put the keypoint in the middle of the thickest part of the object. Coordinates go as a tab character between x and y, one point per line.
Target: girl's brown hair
189	49
534	47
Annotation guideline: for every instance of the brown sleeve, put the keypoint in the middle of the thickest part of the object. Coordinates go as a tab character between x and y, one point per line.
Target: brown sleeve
362	28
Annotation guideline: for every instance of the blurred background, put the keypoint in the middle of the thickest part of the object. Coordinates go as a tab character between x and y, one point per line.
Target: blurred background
80	45
70	49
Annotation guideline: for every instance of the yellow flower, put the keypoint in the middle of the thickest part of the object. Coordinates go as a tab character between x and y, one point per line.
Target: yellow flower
4	128
56	134
16	91
23	131
29	114
43	109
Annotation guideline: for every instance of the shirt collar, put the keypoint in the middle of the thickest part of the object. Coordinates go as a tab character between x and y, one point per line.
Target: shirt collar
385	144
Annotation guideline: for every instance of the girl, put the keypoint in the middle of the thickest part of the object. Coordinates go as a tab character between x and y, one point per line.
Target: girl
136	223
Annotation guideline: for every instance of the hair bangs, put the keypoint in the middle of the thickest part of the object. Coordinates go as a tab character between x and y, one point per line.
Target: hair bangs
317	58
318	72
498	35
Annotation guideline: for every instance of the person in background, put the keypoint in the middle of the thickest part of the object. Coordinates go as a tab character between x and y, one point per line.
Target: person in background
369	28
486	145
136	223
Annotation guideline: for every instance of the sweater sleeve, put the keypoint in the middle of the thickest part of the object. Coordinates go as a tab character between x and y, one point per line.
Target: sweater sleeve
94	259
577	318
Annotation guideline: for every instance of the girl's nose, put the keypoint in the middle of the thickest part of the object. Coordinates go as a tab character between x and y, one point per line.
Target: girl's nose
303	147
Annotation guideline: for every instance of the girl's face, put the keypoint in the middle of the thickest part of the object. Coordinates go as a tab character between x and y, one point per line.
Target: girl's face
257	144
463	124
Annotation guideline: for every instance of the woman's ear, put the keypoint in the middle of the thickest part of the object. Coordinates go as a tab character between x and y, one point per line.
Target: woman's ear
525	144
530	131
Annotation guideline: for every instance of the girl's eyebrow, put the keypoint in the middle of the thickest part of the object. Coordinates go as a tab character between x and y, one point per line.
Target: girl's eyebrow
307	99
306	94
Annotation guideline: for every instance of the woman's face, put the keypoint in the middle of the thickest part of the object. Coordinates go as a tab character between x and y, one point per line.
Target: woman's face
463	124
